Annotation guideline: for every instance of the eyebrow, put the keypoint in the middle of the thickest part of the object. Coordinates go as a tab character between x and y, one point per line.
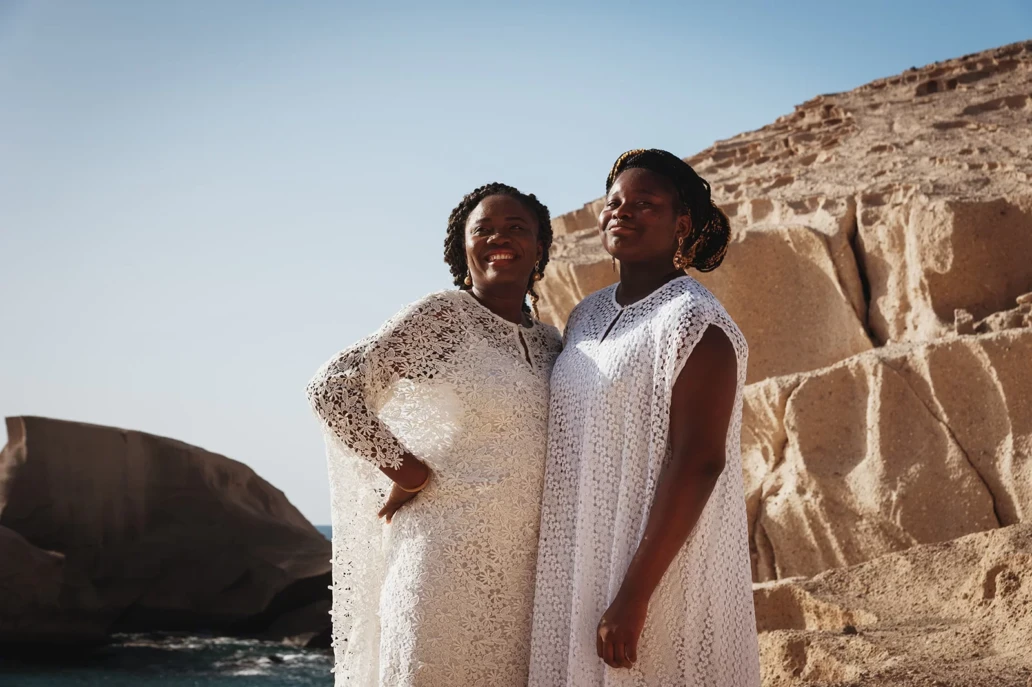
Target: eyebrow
507	219
641	192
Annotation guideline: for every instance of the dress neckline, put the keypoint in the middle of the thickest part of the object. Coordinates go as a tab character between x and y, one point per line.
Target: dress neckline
495	315
645	299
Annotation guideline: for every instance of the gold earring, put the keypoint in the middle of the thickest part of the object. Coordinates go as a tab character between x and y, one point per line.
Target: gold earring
468	281
679	260
682	261
538	276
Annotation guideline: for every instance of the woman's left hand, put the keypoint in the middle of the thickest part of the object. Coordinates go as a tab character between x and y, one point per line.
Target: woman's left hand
620	629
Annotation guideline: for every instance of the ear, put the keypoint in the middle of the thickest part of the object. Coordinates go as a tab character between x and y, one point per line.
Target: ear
540	251
684	226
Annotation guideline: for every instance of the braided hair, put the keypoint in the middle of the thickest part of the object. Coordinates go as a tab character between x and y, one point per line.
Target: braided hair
711	229
455	240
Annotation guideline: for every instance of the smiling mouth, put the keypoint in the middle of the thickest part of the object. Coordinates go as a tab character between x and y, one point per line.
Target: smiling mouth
499	256
619	229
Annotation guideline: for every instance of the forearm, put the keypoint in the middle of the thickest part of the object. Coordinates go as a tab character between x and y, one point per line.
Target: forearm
412	473
681	495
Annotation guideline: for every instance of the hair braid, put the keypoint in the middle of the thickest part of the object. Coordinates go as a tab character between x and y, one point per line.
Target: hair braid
455	239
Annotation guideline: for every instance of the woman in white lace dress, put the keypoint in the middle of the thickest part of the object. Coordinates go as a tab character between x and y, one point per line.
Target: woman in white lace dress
445	408
643	571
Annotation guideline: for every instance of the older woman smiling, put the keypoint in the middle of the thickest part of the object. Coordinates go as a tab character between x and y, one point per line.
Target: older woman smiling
444	411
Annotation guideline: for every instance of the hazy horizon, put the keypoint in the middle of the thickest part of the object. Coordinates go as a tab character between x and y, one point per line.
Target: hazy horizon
201	202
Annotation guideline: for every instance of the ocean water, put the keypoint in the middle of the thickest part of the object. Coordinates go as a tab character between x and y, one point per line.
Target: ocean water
175	660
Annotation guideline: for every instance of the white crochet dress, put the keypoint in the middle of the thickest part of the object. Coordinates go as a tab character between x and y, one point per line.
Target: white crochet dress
610	416
443	595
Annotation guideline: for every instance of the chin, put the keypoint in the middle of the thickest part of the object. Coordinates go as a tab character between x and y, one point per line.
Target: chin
621	251
505	279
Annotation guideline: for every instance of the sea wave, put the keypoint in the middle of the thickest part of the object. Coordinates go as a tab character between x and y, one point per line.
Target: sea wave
176	660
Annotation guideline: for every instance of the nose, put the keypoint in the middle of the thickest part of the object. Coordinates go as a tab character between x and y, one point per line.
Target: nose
498	236
622	210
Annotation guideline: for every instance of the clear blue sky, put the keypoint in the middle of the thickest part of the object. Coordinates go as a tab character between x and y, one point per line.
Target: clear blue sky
200	202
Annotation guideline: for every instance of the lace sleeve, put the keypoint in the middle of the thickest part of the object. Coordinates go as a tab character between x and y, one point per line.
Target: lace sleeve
692	321
344	391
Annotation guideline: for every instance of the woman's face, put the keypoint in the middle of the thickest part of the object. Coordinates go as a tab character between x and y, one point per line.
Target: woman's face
641	219
502	244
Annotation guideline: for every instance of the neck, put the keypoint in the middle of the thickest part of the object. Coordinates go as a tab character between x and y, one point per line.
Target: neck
507	303
638	280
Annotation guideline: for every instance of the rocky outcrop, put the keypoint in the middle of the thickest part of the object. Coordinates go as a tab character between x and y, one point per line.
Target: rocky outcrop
903	445
105	530
957	614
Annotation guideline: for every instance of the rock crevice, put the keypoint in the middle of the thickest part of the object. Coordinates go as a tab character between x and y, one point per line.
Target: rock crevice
953	438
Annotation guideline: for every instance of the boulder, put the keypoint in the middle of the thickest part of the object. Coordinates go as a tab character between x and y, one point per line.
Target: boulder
139	532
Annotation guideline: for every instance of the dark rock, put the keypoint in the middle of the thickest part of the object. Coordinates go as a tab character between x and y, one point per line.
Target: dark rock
105	530
320	641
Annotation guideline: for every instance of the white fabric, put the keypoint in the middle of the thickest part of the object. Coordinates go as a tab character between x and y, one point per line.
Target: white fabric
443	595
610	416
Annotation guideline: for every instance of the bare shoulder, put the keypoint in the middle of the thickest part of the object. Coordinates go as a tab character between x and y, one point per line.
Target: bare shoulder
715	349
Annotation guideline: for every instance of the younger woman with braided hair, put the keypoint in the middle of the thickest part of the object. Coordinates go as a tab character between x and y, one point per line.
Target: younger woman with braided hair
436	433
643	572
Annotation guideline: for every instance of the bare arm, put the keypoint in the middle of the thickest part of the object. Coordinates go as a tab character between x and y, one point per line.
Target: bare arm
701	405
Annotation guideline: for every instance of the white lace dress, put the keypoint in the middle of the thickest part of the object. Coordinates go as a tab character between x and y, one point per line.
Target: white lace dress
443	595
610	416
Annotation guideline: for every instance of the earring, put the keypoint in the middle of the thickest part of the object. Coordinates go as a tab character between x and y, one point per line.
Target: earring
468	281
681	261
538	276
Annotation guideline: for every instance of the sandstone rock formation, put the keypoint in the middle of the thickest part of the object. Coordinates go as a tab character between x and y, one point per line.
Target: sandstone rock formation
956	614
903	445
881	269
105	530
